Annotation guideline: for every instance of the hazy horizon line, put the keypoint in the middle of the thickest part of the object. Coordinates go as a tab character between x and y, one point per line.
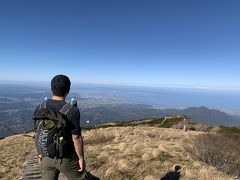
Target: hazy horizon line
144	85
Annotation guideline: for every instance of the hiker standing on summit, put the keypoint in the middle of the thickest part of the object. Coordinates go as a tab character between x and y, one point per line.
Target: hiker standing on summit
60	146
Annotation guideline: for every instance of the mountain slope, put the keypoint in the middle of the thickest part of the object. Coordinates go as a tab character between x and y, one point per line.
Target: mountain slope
210	116
131	152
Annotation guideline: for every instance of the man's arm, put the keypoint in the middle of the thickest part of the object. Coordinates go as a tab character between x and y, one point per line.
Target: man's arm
78	145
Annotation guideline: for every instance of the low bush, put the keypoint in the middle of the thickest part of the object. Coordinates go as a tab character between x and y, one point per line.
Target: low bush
229	130
218	150
203	127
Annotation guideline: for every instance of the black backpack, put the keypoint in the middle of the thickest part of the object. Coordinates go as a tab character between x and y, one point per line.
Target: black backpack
51	137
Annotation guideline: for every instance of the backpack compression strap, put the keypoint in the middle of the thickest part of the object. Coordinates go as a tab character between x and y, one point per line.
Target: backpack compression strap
43	105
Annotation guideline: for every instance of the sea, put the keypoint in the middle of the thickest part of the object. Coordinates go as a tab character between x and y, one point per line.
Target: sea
168	97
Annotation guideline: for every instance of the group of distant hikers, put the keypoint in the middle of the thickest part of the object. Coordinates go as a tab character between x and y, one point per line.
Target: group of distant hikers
58	136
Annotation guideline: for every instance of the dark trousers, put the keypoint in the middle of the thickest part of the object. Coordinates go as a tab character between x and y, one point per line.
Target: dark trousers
68	166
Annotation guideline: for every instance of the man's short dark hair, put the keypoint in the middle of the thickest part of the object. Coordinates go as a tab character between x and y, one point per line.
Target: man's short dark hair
60	85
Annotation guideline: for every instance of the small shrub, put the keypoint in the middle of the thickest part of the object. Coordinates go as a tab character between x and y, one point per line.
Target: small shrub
151	135
218	150
1	137
132	178
171	122
202	127
164	157
228	130
192	128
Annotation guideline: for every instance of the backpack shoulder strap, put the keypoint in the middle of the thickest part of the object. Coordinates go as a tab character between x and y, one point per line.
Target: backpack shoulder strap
65	109
43	105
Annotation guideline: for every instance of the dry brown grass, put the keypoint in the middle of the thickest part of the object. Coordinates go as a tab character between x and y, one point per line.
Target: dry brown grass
99	139
143	153
131	153
13	152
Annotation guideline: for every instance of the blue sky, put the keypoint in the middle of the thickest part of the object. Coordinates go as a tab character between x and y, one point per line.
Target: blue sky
152	42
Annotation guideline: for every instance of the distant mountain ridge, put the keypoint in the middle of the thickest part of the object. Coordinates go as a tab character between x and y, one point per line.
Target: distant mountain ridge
105	114
21	120
211	116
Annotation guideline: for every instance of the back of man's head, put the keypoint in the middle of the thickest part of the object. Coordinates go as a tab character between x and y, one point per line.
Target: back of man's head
60	85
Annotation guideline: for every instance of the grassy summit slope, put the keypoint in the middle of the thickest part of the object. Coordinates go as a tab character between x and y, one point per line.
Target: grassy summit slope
143	153
132	151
